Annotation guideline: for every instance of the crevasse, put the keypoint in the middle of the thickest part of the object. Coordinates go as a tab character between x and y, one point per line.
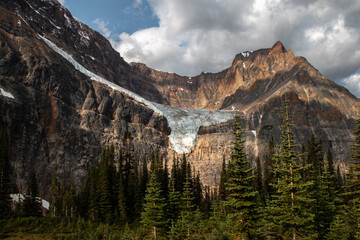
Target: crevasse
184	122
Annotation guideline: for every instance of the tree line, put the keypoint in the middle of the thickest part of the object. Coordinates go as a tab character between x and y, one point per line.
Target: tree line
295	193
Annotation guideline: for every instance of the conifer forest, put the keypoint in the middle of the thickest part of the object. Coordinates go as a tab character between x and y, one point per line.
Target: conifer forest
297	192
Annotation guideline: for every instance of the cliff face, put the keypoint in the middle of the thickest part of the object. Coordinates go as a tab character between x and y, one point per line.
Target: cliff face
58	115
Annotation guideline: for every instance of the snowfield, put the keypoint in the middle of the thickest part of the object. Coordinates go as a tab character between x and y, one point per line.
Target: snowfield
184	122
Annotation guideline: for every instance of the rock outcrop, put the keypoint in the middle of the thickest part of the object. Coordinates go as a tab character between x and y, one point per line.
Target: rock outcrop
57	116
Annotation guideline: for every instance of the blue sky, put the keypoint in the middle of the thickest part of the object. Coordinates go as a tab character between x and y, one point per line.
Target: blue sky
119	15
193	36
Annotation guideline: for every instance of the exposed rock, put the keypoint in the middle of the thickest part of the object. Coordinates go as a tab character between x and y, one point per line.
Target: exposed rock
59	116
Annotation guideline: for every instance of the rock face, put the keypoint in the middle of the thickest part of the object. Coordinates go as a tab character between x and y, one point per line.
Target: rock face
60	117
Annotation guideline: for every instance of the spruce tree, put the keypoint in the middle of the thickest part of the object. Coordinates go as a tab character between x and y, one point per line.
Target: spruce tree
321	191
153	216
32	204
288	215
241	200
185	224
223	179
5	176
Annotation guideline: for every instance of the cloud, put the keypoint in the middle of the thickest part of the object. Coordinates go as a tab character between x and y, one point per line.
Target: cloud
205	35
353	83
137	3
102	27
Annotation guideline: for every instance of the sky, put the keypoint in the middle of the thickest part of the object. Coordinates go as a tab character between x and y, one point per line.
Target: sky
193	36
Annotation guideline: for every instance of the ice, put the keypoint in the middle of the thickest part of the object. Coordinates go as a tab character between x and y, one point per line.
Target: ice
18	197
254	132
45	204
184	122
6	94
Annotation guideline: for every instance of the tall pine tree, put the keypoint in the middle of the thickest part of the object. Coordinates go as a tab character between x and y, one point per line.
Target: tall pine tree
241	200
153	216
288	214
5	176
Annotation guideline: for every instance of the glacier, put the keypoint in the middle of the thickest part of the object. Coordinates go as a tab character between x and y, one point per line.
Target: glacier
183	122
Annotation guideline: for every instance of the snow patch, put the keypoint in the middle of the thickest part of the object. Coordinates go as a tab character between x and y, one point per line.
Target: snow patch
181	89
19	197
244	66
6	94
233	108
190	82
19	22
254	132
184	122
68	22
245	54
244	112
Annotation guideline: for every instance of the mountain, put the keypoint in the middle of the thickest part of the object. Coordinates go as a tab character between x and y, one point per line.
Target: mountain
65	92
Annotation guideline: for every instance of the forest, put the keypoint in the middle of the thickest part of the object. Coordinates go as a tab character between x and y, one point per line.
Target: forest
297	192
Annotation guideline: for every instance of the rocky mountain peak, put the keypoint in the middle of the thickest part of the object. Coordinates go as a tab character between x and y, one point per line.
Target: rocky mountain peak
277	48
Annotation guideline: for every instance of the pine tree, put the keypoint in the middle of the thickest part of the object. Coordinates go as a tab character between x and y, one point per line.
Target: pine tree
174	202
104	189
32	204
5	176
268	166
56	202
121	203
241	200
153	217
321	190
288	215
185	224
223	179
353	183
144	179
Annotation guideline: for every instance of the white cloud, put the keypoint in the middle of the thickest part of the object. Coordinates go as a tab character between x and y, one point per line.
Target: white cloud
102	27
353	83
205	35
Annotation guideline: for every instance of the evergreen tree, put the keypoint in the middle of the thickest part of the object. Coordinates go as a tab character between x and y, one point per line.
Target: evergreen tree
121	203
32	204
185	224
5	176
153	217
144	179
174	202
268	166
223	179
321	191
56	202
104	189
288	215
241	200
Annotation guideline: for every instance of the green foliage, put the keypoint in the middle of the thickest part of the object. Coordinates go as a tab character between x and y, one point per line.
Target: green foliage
153	217
5	176
288	214
32	204
241	200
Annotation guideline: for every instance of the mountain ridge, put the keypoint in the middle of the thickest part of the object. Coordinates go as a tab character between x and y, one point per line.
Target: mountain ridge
60	117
